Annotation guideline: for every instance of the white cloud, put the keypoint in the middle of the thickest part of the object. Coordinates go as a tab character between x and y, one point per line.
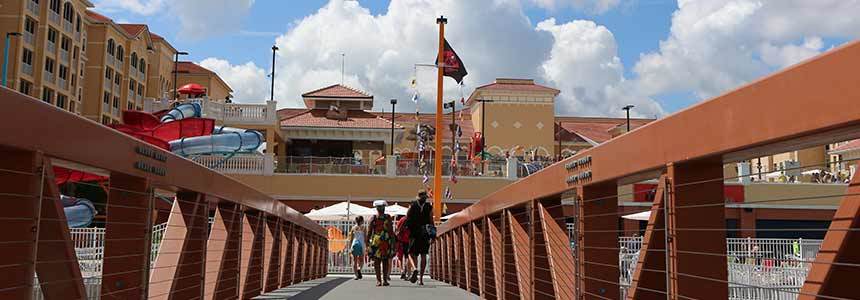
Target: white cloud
718	45
584	65
493	37
197	19
591	6
252	79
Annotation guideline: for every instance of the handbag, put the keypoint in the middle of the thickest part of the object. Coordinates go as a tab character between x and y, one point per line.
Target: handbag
430	231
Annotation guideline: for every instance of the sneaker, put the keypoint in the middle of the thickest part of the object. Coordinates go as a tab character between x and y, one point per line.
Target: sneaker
414	277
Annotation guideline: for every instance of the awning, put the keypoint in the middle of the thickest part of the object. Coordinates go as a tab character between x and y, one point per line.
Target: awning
396	210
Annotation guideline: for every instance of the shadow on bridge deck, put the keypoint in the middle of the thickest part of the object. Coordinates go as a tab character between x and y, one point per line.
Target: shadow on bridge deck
343	287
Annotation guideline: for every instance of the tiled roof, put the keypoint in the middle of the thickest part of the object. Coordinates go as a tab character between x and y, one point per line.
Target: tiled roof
284	113
596	129
849	146
337	91
190	67
408	119
133	29
355	119
517	87
97	16
155	36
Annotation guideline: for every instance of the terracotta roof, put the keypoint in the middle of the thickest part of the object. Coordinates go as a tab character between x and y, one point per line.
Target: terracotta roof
97	16
849	146
567	136
596	129
408	120
284	113
355	119
337	91
190	67
133	29
155	36
517	87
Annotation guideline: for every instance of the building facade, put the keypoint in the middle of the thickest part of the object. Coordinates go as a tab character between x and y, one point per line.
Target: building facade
47	60
216	88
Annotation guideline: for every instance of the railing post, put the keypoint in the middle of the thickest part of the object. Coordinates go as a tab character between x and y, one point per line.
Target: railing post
179	267
222	252
251	273
511	168
289	255
272	264
598	244
496	288
480	254
128	203
522	254
696	228
391	166
553	263
271	112
649	276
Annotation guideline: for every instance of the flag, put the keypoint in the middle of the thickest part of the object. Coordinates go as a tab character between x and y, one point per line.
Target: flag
415	97
448	195
454	67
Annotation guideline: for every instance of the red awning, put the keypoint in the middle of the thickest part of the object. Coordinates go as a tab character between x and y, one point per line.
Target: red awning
192	89
63	175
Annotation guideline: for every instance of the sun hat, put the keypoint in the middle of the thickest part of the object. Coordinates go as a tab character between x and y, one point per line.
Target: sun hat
378	203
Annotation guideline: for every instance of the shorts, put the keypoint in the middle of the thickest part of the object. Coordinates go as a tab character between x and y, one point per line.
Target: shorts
357	249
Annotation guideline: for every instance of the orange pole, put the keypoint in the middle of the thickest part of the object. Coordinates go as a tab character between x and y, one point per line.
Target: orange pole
437	145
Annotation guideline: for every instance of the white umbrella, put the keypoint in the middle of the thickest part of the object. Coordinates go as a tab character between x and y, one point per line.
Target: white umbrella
773	174
450	216
640	216
396	210
811	172
340	212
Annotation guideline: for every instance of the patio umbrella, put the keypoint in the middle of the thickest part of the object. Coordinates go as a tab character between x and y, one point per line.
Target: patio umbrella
192	89
811	172
773	174
640	216
396	210
343	211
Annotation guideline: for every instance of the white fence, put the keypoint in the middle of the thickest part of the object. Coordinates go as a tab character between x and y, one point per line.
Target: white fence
340	258
258	164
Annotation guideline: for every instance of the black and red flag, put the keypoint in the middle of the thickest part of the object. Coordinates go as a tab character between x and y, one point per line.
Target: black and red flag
454	67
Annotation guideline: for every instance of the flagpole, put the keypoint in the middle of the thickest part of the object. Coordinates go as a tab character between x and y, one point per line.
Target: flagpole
437	161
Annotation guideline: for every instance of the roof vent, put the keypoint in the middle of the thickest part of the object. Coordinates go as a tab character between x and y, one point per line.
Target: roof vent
335	113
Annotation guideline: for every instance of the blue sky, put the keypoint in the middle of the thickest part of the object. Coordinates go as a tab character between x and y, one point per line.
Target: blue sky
711	47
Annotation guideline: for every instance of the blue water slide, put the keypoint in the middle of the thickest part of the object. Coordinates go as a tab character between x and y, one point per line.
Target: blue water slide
79	211
224	140
182	111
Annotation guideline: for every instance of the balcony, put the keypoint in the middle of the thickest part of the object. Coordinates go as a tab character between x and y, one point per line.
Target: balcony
49	77
238	164
115	111
33	7
27	69
53	16
106	108
29	38
328	165
118	64
64	56
493	168
237	113
77	36
63	84
68	26
109	60
107	84
52	48
153	105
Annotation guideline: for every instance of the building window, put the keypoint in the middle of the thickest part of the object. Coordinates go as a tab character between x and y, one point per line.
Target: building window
140	89
47	95
134	59
66	44
120	53
73	107
108	74
131	85
61	101
74	80
105	120
68	12
52	35
27	57
129	106
111	47
78	23
30	26
55	6
142	66
49	65
106	99
64	72
117	79
116	102
25	87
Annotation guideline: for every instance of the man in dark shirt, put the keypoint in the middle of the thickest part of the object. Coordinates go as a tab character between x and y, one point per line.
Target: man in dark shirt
419	215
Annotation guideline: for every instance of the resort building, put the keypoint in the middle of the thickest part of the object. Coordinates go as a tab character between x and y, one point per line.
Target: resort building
189	72
159	81
47	50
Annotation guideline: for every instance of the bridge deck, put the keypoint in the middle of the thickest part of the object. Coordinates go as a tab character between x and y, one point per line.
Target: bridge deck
336	287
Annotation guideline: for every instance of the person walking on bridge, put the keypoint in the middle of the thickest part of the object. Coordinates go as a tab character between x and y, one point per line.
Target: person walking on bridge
380	241
419	219
357	246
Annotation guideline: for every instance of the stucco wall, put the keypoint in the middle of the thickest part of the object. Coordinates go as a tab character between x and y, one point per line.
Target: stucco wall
812	194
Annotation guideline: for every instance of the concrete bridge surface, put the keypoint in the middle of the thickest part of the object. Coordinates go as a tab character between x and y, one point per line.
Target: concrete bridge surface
335	287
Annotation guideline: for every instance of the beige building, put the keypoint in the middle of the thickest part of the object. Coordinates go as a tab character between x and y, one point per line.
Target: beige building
47	60
159	81
216	88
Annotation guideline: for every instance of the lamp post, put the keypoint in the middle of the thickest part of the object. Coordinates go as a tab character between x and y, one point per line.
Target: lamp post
393	105
9	35
483	133
627	108
176	73
274	49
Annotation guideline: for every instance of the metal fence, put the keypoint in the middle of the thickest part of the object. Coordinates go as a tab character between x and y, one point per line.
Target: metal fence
339	257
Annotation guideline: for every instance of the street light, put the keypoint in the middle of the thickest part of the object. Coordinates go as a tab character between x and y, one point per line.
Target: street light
176	73
6	53
274	49
393	104
627	108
